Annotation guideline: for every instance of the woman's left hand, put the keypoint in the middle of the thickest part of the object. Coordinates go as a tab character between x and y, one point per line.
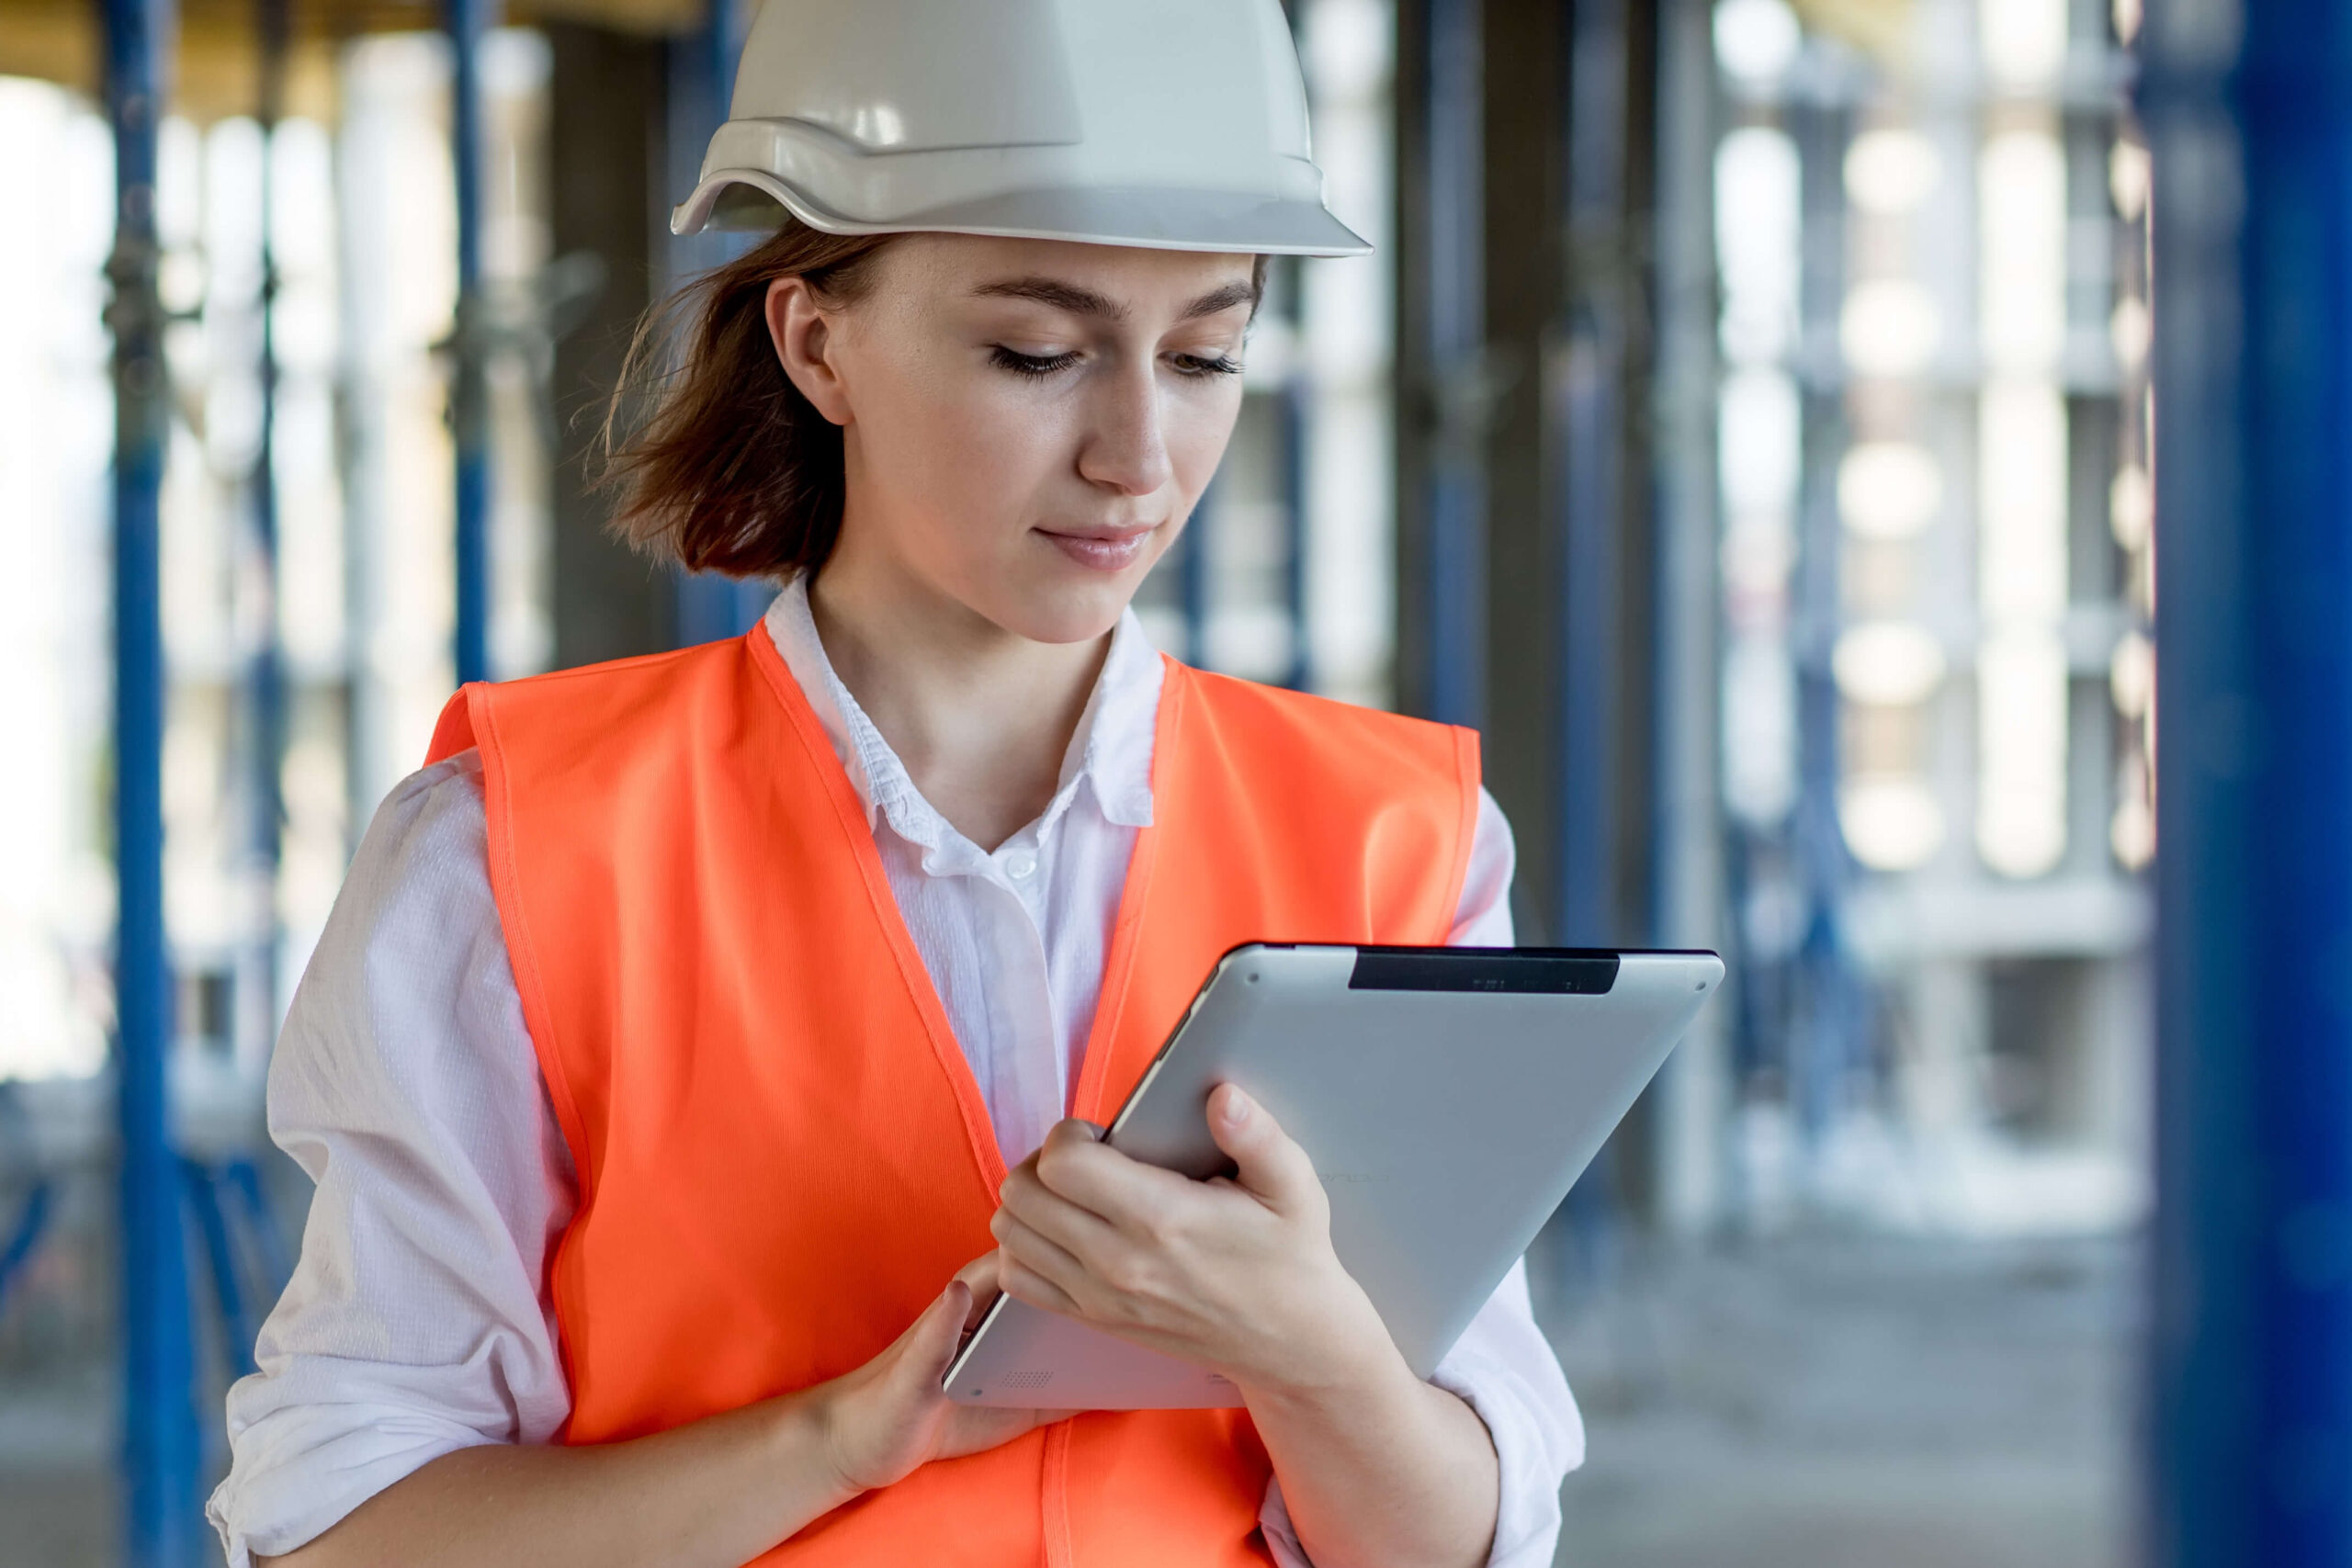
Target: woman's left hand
1235	1274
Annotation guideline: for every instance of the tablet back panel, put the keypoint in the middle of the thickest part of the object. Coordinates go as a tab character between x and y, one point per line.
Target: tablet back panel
1448	1097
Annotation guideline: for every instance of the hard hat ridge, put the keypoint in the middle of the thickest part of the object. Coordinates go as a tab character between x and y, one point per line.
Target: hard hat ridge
1172	124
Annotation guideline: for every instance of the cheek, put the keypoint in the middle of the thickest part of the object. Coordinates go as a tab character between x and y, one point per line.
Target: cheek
960	444
1196	425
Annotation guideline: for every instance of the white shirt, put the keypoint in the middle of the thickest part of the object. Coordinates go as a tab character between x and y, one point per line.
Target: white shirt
418	1321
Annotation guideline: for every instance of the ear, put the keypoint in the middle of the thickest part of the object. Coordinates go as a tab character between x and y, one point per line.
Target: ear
805	341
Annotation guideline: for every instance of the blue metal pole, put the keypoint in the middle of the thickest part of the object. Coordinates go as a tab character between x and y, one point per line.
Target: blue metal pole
1193	577
24	1234
1588	636
277	1260
465	22
1456	563
264	684
1821	997
161	1452
2249	112
237	1333
1297	412
721	42
1591	586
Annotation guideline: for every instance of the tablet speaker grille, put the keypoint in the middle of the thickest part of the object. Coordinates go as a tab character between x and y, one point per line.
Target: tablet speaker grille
1036	1376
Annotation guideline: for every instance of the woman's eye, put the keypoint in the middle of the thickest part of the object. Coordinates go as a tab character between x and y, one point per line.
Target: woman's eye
1021	364
1206	365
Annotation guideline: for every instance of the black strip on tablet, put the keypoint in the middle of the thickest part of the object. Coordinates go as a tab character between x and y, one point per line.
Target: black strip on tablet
1554	971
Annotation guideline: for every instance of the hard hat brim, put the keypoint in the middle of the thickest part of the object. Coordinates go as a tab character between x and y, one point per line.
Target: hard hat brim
1148	219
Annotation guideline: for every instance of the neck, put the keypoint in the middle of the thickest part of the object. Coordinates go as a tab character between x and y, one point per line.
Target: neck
981	717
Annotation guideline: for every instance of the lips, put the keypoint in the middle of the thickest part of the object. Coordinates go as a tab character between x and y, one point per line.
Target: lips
1102	549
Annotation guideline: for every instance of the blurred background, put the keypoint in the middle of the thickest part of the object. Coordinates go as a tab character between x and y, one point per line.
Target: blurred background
1744	421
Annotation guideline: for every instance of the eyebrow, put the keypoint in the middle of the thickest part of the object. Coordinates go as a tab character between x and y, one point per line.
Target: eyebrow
1081	302
1217	299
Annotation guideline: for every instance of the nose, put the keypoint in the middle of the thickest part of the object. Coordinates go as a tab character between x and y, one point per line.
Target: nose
1125	448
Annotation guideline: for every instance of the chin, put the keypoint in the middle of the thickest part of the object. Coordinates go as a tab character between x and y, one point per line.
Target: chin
1065	613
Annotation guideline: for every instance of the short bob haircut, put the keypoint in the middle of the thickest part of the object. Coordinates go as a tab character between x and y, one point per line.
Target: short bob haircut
715	460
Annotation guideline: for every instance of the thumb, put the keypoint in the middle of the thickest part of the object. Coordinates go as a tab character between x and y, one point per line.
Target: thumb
1269	1164
931	1340
883	1419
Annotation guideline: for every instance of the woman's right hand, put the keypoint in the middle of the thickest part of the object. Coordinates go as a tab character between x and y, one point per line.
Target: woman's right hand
711	1494
889	1417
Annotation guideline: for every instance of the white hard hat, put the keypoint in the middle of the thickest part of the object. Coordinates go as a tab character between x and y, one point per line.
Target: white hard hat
1170	124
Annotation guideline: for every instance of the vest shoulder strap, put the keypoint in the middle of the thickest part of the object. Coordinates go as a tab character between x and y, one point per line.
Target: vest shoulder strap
1354	779
579	704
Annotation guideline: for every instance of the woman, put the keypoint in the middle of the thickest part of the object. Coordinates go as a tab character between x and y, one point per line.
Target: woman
701	1041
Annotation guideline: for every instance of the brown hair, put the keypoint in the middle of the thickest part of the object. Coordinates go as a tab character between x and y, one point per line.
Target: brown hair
718	461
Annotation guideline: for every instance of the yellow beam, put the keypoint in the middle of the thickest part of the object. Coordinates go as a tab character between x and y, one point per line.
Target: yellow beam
218	62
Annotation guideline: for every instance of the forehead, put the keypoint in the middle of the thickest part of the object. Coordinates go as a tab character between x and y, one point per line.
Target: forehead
1139	284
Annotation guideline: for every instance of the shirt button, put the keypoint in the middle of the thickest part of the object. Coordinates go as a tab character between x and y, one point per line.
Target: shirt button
1021	868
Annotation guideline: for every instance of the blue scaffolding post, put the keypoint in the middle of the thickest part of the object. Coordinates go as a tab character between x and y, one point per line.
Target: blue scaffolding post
1297	416
1455	582
1588	634
2250	113
264	680
1592	585
466	21
1192	551
160	1453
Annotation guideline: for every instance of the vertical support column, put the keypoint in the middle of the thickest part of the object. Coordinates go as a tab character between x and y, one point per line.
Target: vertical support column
1523	281
465	22
1441	500
1296	404
1694	1090
721	42
1822	1035
607	109
1598	516
2249	110
264	680
160	1453
1193	577
1595	591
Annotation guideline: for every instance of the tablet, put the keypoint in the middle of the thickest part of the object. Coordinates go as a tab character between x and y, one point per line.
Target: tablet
1448	1096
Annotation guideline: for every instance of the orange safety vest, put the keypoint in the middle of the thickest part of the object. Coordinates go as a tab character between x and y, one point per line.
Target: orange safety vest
781	1153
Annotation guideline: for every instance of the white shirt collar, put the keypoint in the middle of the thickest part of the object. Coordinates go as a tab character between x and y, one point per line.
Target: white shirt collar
1110	751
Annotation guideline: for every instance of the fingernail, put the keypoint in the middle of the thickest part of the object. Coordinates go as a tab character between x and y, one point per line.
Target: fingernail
1236	1108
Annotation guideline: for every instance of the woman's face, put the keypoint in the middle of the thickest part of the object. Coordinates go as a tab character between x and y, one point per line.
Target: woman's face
1026	424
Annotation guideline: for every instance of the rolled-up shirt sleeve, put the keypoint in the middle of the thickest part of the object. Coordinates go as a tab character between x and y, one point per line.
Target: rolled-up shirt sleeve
405	1086
1502	1366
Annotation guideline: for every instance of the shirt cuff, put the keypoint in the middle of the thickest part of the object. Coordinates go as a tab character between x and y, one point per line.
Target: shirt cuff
297	1473
1532	1456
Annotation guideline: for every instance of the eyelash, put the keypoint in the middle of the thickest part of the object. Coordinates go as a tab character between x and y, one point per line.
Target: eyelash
1038	367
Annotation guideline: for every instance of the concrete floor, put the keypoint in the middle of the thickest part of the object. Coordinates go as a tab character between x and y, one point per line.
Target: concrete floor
1818	1402
1849	1403
57	1507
